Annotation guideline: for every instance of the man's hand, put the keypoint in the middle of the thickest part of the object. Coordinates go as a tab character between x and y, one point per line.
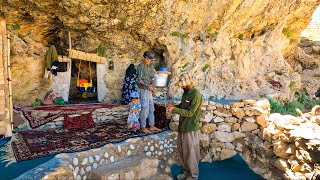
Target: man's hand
170	108
150	88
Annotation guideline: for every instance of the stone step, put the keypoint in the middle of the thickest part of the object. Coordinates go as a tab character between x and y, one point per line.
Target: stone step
160	177
134	167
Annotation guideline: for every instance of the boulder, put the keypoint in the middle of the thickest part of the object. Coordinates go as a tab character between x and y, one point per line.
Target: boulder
222	112
249	102
238	112
254	111
223	136
264	104
279	149
261	120
207	117
231	120
218	119
174	126
248	126
208	128
235	127
281	164
224	127
237	104
227	153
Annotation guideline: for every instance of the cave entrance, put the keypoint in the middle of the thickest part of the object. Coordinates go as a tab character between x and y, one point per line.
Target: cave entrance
87	72
161	59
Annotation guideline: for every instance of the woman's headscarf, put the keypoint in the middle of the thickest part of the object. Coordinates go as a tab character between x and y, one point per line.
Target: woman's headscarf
130	70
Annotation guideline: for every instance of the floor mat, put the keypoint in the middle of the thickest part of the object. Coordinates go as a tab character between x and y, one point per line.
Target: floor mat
33	144
38	116
17	168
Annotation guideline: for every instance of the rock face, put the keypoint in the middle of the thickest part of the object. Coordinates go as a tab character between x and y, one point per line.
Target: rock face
307	63
234	49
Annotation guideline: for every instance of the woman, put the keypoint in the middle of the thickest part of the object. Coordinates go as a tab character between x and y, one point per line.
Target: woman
129	84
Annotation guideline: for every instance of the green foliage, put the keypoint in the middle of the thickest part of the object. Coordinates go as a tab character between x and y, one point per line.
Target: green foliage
232	57
175	33
276	106
123	18
36	102
302	102
288	32
314	102
209	29
292	85
183	36
205	67
12	53
213	35
185	65
15	26
101	51
58	101
292	106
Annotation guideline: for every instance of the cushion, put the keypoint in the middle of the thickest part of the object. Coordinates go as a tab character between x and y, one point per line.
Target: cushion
82	121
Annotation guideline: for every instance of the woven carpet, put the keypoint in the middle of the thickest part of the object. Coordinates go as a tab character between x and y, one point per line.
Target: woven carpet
38	116
33	144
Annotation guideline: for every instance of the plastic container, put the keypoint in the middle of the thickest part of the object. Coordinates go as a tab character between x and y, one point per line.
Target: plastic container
160	80
163	69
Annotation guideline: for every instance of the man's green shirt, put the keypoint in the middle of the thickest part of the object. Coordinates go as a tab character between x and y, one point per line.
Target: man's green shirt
145	74
190	111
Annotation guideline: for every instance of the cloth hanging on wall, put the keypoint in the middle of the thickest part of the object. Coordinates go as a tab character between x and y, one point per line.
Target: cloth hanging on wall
51	56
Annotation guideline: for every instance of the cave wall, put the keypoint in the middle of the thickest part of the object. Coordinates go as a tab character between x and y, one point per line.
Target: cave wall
234	49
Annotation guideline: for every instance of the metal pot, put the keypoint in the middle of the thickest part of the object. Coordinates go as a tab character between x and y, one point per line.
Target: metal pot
160	80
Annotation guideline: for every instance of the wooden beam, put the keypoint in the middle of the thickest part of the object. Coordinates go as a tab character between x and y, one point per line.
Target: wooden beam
75	54
69	37
10	86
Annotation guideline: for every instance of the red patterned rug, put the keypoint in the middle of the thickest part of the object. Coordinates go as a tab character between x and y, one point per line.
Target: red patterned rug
38	116
33	144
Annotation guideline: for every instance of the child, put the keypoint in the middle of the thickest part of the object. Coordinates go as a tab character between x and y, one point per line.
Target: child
134	112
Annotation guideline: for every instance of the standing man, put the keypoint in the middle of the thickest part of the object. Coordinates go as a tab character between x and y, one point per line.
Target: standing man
145	74
189	124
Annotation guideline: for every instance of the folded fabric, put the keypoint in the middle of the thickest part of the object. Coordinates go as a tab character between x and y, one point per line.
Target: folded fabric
82	121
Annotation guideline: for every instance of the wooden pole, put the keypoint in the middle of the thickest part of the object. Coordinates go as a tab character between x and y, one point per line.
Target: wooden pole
10	86
5	52
69	37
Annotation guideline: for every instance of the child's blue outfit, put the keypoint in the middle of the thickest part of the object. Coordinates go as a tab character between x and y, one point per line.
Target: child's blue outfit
133	118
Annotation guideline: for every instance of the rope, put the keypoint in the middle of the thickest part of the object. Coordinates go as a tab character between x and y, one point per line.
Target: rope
78	84
90	73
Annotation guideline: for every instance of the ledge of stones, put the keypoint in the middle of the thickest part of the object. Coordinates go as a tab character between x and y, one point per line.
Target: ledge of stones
275	146
78	165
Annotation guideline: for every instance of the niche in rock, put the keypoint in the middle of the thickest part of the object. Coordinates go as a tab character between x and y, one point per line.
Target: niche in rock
161	61
84	72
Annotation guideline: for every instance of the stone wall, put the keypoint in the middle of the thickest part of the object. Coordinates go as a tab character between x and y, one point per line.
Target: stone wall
307	63
274	146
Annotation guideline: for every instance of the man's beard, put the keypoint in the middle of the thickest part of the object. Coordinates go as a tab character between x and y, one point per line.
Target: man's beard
185	89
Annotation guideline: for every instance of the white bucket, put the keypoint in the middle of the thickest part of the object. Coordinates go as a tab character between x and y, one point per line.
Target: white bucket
160	80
